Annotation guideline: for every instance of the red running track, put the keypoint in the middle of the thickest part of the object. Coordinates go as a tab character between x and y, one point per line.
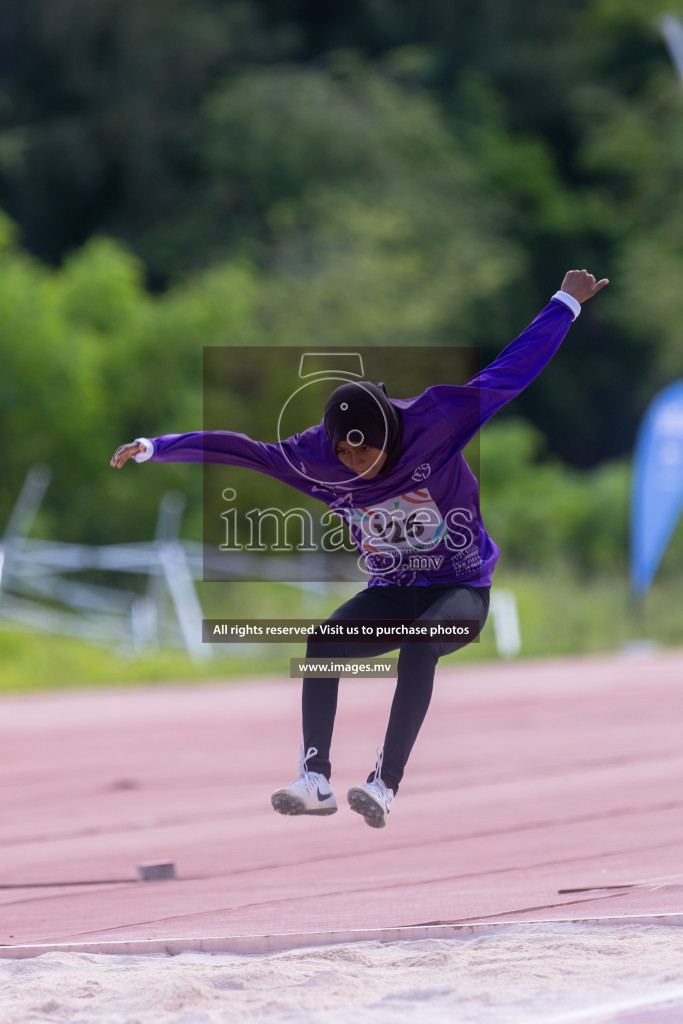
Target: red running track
544	790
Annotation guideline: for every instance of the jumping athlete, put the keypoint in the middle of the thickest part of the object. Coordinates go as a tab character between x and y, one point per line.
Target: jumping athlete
393	469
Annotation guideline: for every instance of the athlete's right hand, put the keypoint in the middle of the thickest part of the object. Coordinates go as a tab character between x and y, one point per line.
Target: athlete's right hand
125	452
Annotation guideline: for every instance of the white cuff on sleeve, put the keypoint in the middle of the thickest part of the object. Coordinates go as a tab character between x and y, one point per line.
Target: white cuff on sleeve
569	301
148	452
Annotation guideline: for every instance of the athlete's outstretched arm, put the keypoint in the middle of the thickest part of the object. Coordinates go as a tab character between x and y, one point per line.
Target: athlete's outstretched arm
524	358
224	446
467	408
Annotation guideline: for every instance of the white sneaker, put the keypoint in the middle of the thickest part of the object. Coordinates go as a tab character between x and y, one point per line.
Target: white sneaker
373	800
309	794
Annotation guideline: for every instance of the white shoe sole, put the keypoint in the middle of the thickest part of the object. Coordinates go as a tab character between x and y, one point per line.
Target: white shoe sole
285	803
361	802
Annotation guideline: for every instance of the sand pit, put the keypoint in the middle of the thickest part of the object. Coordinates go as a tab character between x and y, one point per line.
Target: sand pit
517	974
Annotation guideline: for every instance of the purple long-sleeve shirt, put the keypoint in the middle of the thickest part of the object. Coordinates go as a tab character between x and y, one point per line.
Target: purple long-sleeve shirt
421	523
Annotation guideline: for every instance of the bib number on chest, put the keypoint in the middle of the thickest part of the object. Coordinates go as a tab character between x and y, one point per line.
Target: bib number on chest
408	522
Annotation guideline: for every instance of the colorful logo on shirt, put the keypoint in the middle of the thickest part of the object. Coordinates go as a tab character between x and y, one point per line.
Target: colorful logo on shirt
391	532
408	522
399	534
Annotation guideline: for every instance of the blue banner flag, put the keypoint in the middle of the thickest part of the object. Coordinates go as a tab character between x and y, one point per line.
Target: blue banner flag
657	488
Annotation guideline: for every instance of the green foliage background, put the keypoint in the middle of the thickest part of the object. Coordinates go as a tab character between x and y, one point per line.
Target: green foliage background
267	173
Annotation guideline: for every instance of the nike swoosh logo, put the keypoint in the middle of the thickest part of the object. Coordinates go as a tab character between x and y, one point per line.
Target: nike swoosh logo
321	797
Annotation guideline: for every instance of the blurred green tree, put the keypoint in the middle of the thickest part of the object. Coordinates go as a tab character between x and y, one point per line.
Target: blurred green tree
89	360
358	173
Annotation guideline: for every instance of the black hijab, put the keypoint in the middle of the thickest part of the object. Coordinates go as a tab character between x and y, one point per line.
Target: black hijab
360	413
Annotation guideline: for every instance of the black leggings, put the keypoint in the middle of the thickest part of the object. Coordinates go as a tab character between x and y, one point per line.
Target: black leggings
416	665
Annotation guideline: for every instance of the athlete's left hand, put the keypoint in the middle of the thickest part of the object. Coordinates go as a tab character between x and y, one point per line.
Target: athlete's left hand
582	285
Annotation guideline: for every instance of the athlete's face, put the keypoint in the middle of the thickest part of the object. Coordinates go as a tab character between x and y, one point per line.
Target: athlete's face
361	459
